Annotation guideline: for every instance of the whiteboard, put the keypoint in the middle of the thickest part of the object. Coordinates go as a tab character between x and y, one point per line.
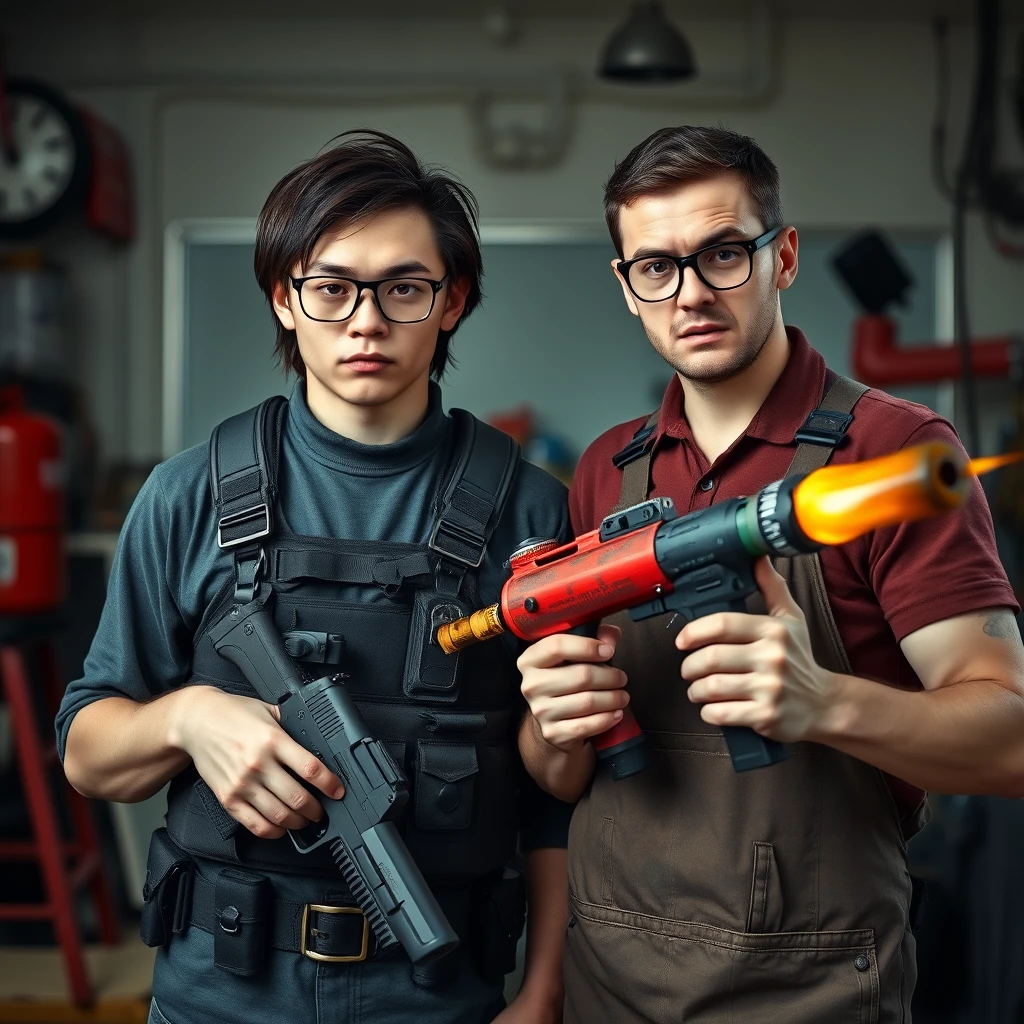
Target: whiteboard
552	331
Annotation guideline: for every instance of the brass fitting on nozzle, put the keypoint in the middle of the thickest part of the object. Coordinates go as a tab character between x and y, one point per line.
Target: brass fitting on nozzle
470	629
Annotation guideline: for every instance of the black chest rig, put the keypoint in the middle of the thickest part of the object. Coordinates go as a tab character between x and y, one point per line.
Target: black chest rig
450	722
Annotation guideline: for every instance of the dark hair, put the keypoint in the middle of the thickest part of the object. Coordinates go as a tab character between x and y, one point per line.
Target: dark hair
367	173
672	157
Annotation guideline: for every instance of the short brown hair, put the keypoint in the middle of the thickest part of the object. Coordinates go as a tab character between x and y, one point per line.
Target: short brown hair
366	174
672	157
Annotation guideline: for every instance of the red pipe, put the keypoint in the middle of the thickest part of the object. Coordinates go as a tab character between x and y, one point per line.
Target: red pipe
878	361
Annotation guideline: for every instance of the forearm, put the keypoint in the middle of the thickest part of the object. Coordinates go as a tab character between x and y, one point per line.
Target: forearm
547	902
122	750
563	774
963	738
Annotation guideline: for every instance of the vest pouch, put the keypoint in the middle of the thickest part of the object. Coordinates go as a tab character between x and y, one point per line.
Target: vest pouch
445	784
166	891
429	672
499	918
241	931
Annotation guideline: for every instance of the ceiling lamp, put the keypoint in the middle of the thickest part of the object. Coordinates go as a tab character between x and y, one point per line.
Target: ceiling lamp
647	48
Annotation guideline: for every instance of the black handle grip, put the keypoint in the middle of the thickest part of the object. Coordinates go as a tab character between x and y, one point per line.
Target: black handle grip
749	749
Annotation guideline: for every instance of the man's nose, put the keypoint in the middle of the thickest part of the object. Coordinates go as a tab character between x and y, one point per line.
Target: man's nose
693	291
366	317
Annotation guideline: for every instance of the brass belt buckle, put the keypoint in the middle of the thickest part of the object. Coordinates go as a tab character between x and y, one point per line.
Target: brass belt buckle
326	957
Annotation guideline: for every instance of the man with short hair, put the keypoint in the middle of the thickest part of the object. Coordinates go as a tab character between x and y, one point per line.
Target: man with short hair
782	894
383	512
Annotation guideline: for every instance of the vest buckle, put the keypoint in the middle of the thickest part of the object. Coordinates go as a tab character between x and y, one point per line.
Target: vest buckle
258	515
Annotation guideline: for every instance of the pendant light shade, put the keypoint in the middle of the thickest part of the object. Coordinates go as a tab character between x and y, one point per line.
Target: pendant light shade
647	48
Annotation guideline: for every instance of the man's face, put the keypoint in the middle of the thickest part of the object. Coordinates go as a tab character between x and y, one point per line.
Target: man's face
367	360
707	336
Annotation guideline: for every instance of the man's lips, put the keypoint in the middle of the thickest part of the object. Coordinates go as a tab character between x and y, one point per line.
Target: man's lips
699	329
368	357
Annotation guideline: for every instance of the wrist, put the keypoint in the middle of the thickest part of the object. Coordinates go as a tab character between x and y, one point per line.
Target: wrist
543	990
180	713
839	712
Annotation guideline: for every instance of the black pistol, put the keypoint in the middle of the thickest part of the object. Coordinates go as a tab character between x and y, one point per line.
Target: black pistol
359	829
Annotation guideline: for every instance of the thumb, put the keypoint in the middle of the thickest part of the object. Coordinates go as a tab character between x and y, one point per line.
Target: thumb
274	710
777	598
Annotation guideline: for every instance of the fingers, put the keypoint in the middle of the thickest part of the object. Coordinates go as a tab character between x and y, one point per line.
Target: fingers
570	733
572	695
753	714
309	769
759	656
571	679
245	814
302	805
563	647
272	809
731	628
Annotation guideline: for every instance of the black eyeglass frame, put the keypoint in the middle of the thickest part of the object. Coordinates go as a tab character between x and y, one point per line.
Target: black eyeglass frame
298	282
682	262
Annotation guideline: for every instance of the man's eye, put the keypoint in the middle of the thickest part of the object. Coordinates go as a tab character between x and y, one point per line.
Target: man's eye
406	289
724	256
657	268
332	289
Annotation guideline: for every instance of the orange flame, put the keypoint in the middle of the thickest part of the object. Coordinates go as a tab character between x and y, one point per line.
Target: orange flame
987	463
837	503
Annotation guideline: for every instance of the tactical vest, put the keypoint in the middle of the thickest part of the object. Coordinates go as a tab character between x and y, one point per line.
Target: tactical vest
450	722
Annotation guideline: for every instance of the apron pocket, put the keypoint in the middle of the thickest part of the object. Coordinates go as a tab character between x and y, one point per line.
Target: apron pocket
627	968
765	911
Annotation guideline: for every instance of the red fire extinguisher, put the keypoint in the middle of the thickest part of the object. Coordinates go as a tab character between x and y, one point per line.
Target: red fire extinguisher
32	566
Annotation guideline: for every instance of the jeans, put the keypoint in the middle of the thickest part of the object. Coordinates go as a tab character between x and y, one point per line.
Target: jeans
189	989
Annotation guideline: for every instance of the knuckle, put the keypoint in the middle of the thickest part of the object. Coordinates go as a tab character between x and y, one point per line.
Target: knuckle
310	769
578	731
583	676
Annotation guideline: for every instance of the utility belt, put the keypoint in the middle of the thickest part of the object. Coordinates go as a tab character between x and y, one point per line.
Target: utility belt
248	919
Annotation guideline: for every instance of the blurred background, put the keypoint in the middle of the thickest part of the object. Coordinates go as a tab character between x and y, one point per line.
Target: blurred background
138	143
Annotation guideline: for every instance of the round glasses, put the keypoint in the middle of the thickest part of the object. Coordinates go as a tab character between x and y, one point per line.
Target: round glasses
402	300
721	266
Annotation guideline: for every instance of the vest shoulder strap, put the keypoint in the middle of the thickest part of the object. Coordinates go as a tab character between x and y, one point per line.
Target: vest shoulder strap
473	491
244	458
824	429
635	462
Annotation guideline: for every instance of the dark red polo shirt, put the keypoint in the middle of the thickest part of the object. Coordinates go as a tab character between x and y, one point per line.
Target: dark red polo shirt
881	586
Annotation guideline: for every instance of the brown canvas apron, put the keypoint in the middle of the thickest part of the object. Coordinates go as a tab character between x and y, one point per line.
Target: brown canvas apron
701	895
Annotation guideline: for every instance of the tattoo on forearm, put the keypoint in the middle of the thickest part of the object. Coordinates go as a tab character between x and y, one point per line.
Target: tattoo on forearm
1002	626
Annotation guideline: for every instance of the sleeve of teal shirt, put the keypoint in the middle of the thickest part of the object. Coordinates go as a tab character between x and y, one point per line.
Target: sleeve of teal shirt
142	647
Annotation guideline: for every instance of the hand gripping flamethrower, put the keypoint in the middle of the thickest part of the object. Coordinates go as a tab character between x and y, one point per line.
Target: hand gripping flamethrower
650	560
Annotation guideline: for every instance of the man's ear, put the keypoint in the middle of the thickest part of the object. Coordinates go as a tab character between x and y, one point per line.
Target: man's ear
458	290
787	260
282	299
630	298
